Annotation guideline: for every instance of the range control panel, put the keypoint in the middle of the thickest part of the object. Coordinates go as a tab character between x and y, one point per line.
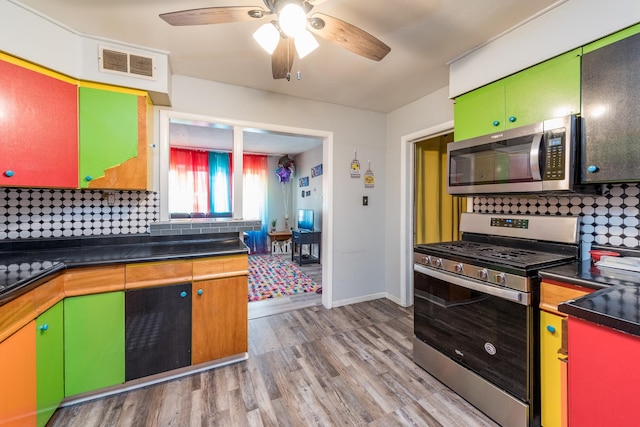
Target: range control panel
510	223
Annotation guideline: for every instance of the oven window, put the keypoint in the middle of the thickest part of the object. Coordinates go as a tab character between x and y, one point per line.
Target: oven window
487	334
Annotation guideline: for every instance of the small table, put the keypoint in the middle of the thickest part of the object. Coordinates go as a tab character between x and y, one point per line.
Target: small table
304	237
280	242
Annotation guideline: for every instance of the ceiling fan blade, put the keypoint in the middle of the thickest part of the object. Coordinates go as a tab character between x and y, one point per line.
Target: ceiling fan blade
348	36
282	58
214	15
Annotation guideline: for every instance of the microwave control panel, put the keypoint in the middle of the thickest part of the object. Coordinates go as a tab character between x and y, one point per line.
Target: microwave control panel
554	167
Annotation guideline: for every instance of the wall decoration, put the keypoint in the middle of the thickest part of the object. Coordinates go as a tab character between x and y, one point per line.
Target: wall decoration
304	181
308	193
369	179
316	171
355	165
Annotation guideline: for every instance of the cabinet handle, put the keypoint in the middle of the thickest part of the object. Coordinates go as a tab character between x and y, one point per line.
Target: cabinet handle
551	329
9	173
44	327
593	169
496	123
183	294
88	177
512	119
200	292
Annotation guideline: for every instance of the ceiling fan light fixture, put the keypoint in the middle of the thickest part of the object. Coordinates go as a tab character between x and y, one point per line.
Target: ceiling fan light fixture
267	37
305	44
293	20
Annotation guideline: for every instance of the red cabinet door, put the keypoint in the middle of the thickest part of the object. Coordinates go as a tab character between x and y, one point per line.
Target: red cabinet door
38	128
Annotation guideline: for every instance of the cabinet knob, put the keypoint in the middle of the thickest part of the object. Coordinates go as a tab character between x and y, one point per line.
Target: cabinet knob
183	294
551	329
593	169
88	177
9	173
44	327
199	291
512	119
496	123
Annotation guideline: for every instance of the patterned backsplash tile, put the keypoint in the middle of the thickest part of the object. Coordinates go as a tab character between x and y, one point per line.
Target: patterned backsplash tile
40	213
610	219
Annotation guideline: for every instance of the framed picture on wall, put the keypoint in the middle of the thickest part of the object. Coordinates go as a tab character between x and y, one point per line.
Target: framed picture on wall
316	171
304	182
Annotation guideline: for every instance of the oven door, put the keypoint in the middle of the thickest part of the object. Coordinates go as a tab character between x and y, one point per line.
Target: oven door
485	328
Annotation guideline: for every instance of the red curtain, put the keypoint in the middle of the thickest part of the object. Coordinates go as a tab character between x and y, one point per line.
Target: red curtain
188	180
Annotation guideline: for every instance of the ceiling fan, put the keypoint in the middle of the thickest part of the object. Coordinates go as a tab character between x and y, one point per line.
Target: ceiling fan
288	30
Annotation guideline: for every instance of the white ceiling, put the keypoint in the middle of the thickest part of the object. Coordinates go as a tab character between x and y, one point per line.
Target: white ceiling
423	35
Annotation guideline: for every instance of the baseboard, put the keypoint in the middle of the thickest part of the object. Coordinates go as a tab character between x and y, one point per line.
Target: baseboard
356	300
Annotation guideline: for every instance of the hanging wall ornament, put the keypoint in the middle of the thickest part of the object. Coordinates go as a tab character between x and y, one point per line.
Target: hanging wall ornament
369	179
355	165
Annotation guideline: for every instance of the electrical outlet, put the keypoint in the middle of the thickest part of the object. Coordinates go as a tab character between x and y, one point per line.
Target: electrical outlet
365	200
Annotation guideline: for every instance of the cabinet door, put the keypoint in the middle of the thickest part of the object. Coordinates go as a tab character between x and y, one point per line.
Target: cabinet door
480	112
157	330
49	361
93	342
551	369
548	90
39	131
112	139
611	106
219	318
18	373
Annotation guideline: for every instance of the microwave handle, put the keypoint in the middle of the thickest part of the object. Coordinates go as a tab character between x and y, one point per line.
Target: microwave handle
534	157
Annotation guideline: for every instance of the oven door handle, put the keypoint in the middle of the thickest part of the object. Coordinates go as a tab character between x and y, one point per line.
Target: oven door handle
522	298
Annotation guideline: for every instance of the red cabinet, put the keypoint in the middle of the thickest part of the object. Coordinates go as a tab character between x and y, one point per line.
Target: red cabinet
38	127
604	374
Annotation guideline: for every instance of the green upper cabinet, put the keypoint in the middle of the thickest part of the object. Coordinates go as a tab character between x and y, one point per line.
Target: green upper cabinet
547	90
93	342
49	362
109	135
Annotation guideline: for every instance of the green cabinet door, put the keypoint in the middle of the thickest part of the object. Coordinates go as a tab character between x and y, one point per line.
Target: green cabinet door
480	112
93	342
49	362
548	90
108	131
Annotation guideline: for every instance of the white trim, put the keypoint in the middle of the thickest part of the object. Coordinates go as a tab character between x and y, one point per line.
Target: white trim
362	298
406	206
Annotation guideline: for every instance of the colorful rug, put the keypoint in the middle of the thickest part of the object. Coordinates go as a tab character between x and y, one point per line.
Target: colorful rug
276	276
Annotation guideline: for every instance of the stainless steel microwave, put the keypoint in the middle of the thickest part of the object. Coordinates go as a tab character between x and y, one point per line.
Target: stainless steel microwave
535	158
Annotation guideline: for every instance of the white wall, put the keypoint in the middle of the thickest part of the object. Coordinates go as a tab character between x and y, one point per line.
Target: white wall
357	249
304	162
570	25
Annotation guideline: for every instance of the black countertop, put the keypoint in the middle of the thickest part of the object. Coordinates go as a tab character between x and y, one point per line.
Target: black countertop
26	264
616	300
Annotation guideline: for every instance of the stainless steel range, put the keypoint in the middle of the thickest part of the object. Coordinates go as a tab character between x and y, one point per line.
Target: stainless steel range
475	309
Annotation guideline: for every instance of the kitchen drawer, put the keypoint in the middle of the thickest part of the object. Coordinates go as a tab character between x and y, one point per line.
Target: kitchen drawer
93	280
15	314
221	266
553	293
157	274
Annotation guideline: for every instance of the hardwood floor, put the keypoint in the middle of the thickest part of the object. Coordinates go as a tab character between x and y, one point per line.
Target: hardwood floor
348	366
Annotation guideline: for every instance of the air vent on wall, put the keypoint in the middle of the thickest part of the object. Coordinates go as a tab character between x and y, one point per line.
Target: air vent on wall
113	61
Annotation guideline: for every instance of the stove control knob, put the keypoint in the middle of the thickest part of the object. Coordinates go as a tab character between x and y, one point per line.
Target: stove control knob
483	274
426	260
458	268
437	262
501	279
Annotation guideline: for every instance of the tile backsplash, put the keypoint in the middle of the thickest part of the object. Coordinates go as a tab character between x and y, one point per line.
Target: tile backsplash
40	213
610	219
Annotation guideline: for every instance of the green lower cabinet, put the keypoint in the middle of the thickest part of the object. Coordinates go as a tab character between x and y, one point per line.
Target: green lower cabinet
49	362
93	342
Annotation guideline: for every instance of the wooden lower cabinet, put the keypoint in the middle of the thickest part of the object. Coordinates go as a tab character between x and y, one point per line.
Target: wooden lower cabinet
553	412
93	342
220	327
157	330
18	376
49	330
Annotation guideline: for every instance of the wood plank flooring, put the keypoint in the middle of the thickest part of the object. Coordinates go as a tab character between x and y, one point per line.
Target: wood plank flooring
348	366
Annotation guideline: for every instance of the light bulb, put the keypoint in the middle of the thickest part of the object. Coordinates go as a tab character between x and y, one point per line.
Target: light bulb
267	37
305	44
293	20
